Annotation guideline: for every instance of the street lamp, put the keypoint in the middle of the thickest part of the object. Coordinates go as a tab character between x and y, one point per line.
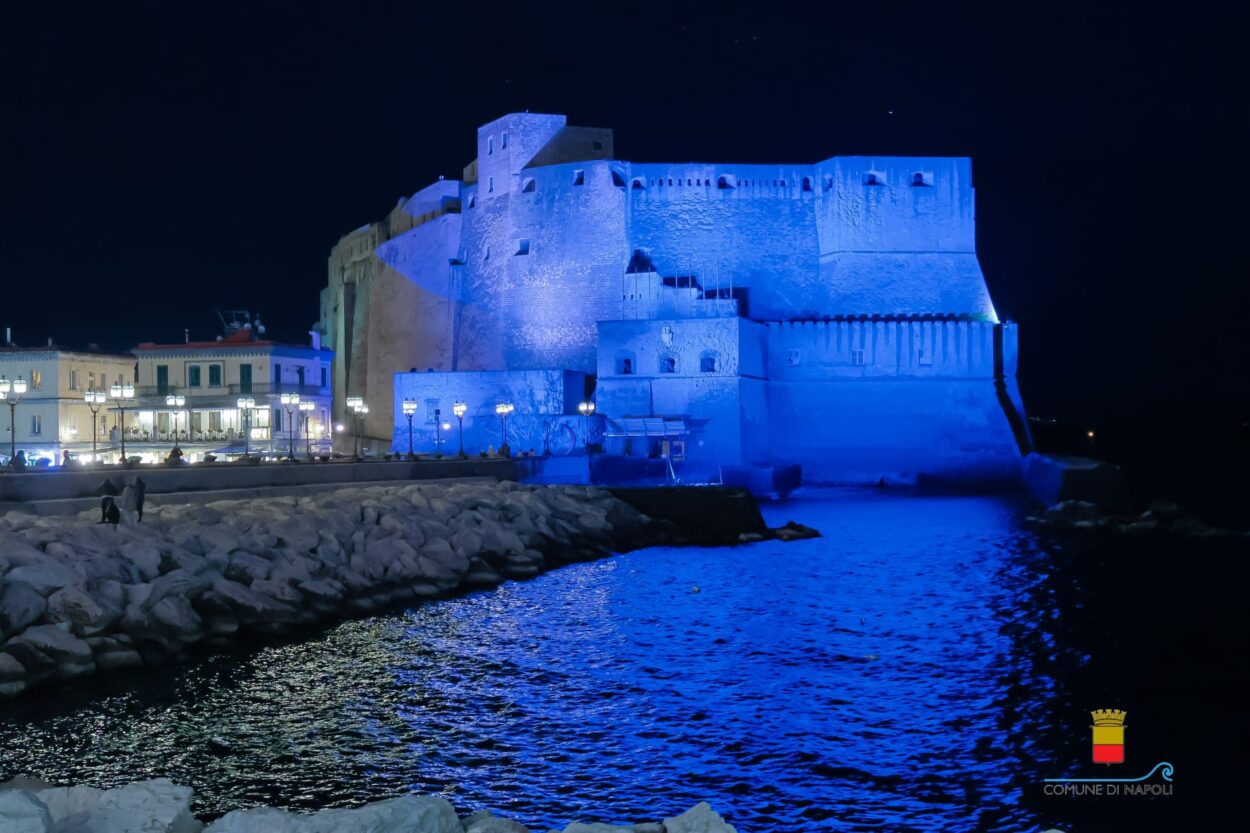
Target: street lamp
438	433
246	404
460	409
95	401
586	409
123	393
355	403
290	404
176	401
410	409
11	392
503	409
307	406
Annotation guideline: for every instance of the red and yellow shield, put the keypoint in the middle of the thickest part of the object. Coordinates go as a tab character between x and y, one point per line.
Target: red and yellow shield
1108	732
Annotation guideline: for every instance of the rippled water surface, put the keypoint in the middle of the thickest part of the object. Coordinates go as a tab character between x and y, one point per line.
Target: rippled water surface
904	672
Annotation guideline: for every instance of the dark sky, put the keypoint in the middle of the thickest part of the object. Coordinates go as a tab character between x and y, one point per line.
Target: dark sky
162	160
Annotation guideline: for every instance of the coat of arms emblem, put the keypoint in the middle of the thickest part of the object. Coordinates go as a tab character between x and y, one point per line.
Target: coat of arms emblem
1108	732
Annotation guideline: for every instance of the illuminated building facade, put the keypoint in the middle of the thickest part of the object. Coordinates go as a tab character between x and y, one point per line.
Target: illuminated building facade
830	314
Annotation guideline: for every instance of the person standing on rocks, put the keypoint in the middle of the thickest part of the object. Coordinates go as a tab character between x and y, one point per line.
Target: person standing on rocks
130	503
141	490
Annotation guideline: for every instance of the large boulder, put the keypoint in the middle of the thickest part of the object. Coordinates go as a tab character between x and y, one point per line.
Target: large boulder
145	557
700	818
408	814
20	606
88	611
157	806
251	607
486	822
46	575
22	812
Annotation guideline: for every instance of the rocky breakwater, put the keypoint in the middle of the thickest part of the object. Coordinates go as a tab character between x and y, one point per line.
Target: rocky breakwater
159	806
77	597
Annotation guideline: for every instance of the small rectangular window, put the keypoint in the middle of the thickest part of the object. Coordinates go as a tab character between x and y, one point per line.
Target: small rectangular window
490	184
73	380
193	376
597	145
523	247
857	358
36	423
325	381
503	142
793	358
432	412
924	356
214	375
579	177
36	379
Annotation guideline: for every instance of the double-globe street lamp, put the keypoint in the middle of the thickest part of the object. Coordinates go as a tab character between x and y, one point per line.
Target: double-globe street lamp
586	409
290	404
95	401
306	408
503	409
359	409
410	410
11	393
460	409
177	401
246	405
122	393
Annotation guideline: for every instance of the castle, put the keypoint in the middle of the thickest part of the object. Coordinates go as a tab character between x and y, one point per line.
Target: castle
831	314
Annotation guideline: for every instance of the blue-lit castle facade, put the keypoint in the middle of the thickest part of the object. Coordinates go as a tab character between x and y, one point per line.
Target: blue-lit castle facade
832	314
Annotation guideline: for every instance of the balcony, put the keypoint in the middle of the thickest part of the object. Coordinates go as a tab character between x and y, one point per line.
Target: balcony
151	395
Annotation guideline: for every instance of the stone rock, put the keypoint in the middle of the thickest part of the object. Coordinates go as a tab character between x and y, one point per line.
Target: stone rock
11	669
145	557
408	814
175	614
486	822
251	606
46	576
700	818
22	812
246	568
157	806
119	658
55	641
596	827
279	591
88	613
20	606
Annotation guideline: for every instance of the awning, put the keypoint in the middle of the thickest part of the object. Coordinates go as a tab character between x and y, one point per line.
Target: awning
647	427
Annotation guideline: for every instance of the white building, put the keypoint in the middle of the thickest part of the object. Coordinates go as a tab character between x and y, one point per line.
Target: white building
52	415
212	376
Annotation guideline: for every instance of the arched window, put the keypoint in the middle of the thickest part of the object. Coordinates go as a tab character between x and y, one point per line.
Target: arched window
528	185
709	362
918	180
668	363
807	183
504	140
490	145
625	362
639	184
874	178
726	182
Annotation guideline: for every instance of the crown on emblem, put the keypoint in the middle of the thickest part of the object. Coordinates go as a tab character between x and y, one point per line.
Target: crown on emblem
1109	717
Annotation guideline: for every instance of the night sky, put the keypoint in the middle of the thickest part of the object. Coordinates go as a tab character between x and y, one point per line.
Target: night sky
161	161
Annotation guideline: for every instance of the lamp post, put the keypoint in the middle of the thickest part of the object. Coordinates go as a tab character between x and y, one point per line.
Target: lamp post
307	407
460	409
246	404
176	401
503	409
95	401
410	409
123	393
355	403
438	428
290	404
586	409
11	393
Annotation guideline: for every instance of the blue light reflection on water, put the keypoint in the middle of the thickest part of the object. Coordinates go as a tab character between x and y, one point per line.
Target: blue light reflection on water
893	674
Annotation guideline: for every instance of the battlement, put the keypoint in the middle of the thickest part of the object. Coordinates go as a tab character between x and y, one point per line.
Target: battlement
1109	717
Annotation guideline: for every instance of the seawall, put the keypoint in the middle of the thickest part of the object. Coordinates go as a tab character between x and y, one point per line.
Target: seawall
77	597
